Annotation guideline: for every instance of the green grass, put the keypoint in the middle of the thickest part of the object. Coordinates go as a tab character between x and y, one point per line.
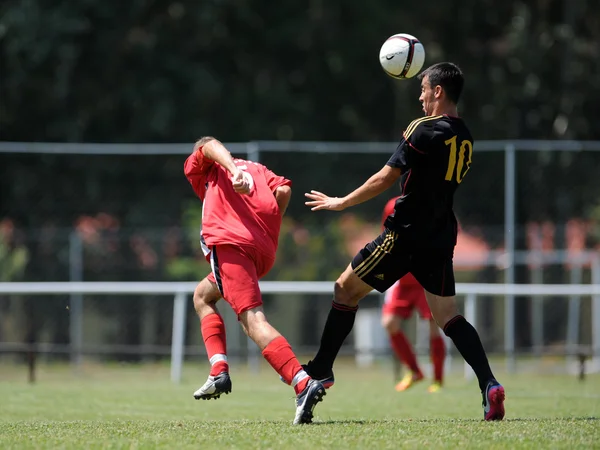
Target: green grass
138	408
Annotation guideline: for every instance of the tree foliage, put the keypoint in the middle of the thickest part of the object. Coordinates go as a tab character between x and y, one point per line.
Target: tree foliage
171	71
147	71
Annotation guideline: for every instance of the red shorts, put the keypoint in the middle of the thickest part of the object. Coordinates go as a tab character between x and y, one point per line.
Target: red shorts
236	271
402	298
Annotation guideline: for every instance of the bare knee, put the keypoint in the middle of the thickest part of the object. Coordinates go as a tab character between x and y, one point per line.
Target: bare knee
250	321
443	309
391	323
205	296
341	295
200	301
349	289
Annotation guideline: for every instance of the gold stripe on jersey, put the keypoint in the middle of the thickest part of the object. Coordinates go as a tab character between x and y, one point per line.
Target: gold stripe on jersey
376	257
415	123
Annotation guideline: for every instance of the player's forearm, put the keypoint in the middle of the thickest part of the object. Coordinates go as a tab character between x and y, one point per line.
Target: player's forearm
283	194
217	152
374	186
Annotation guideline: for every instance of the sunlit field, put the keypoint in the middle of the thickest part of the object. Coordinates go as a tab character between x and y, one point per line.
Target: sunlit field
127	407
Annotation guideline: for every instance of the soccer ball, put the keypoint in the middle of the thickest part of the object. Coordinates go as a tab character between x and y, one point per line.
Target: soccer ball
402	56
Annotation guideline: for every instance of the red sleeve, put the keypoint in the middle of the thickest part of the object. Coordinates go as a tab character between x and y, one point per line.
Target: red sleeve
196	169
274	181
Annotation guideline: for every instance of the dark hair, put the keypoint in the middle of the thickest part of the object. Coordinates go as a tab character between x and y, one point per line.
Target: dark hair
448	76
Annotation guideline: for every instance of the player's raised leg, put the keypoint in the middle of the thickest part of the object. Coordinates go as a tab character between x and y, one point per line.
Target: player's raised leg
468	343
348	290
213	332
237	271
278	353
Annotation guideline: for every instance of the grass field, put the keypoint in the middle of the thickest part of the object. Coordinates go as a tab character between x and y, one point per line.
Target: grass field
138	408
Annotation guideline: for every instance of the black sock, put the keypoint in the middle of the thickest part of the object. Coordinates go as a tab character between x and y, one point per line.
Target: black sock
338	326
469	345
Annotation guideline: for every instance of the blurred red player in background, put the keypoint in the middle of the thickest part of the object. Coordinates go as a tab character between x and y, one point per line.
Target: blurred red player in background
400	301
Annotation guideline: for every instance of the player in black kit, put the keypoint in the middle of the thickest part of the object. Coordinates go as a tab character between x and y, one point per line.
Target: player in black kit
432	159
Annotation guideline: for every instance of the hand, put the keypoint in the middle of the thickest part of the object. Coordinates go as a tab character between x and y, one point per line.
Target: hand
322	201
242	182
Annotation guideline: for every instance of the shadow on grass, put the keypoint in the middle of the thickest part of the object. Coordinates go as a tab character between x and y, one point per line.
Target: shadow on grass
553	419
451	421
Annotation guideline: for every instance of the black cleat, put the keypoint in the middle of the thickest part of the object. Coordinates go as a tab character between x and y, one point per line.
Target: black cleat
327	379
306	401
214	387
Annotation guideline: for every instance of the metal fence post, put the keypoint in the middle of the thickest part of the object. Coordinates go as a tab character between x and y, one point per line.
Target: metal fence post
178	337
573	314
596	313
537	313
253	151
75	301
471	316
509	242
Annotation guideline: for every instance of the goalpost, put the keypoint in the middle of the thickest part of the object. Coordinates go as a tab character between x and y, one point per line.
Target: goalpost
471	292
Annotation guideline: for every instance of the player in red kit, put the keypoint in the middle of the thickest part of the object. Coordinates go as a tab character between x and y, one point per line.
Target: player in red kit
400	301
243	204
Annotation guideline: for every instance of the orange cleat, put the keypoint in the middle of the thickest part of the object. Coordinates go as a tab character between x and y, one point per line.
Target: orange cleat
436	386
408	380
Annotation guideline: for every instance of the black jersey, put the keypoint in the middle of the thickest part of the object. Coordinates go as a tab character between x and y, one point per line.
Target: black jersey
435	154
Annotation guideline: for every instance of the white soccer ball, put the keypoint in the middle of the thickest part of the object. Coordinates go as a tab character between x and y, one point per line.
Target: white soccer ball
402	56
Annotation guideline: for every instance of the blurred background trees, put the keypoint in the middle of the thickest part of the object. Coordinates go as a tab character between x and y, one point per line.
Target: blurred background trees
147	71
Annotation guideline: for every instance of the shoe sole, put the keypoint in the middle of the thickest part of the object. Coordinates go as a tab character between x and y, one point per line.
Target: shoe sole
211	396
496	398
309	406
222	387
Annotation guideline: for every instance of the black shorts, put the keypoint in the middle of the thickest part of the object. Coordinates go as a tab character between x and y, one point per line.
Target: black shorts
386	259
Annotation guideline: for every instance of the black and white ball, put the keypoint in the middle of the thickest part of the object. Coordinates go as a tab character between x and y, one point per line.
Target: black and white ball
402	56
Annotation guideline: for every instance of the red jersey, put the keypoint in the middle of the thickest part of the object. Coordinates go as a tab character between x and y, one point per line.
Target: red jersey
250	219
389	208
408	279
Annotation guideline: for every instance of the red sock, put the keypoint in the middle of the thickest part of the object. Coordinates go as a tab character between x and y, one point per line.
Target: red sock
279	354
213	333
438	354
404	351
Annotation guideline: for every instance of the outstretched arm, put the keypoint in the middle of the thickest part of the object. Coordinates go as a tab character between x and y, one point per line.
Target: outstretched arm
374	186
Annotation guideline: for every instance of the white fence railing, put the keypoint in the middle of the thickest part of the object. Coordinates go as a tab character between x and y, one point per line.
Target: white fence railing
182	290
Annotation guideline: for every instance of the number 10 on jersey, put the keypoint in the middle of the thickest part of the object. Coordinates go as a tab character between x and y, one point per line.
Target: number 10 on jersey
462	166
